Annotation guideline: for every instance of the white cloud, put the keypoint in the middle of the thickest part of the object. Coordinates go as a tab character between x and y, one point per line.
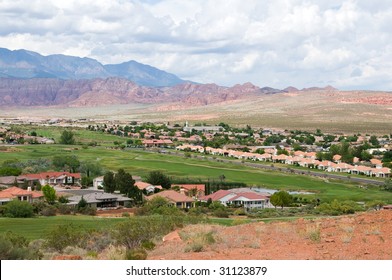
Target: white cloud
277	43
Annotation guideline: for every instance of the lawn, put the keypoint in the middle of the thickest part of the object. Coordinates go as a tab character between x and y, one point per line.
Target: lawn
36	228
139	162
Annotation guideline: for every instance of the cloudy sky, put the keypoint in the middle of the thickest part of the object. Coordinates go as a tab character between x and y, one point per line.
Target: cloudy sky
277	43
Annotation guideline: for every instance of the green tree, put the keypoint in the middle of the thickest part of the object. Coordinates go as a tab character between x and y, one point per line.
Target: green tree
124	181
91	169
109	184
158	178
387	157
81	204
67	138
86	181
18	209
70	163
49	194
281	198
374	141
10	171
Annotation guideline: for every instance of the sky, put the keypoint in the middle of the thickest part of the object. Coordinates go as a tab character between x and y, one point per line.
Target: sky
276	43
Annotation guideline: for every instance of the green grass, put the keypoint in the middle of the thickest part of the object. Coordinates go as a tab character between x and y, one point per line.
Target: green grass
139	162
36	228
81	135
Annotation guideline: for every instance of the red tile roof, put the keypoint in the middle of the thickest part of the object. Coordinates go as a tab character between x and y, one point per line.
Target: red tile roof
14	192
216	195
199	187
172	196
143	185
53	174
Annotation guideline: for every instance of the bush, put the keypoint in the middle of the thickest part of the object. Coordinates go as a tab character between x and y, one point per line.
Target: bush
338	208
18	209
38	206
137	231
198	211
221	213
136	254
125	214
15	247
128	204
63	236
240	212
92	211
65	209
158	206
48	211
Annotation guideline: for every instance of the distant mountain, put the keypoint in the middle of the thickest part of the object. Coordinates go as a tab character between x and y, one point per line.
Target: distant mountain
143	74
113	90
28	64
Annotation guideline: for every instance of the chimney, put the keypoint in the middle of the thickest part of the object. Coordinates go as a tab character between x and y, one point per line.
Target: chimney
29	189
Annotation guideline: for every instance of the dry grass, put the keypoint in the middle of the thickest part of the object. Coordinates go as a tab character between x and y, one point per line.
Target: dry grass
306	111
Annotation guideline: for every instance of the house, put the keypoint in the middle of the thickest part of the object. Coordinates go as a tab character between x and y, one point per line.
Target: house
250	200
54	178
337	158
223	196
360	169
342	167
149	188
376	163
239	197
192	190
100	199
176	199
381	172
156	143
202	128
264	157
8	181
280	158
12	193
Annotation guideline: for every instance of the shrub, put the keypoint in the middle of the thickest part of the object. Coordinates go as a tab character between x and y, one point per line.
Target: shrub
338	208
49	211
136	254
158	206
194	247
18	209
128	204
240	212
15	247
63	236
65	209
221	213
125	214
38	206
92	211
198	211
63	199
135	232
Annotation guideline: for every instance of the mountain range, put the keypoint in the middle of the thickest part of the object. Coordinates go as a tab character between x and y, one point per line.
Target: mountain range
27	64
30	79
